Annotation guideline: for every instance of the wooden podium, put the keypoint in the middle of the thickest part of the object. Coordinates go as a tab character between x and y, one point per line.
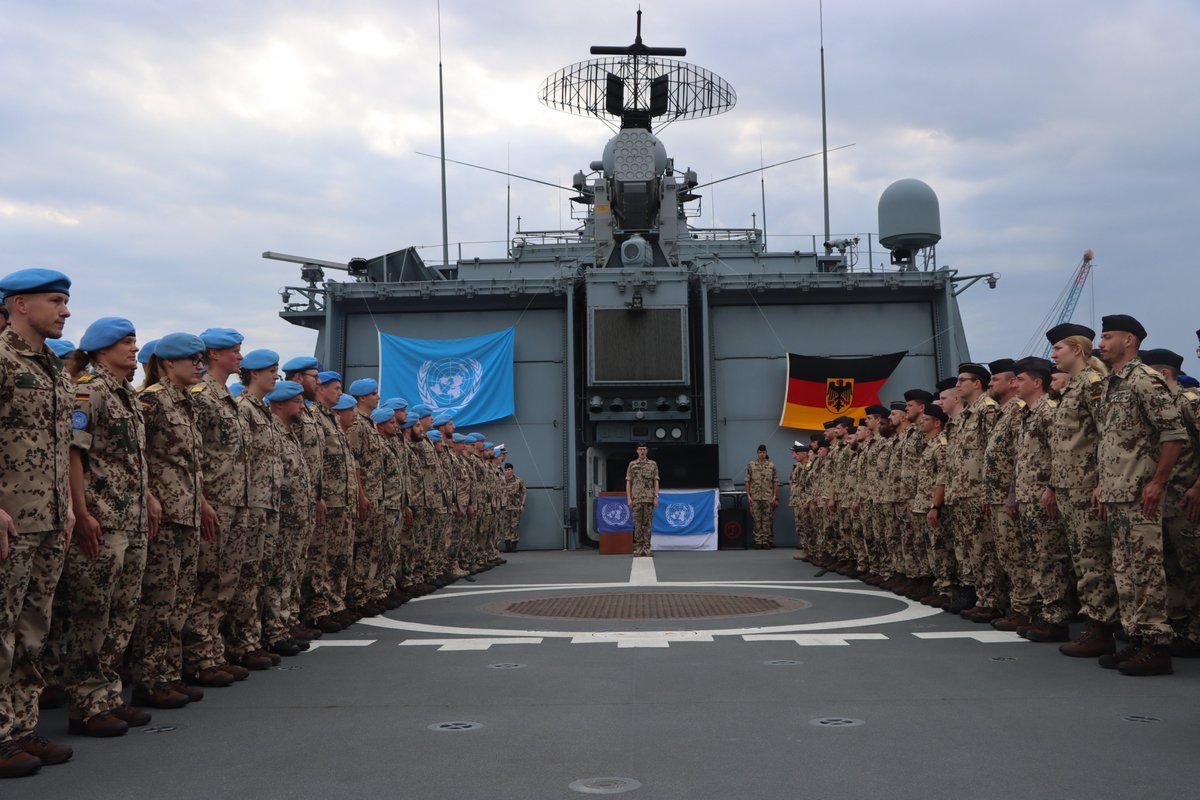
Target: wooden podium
616	544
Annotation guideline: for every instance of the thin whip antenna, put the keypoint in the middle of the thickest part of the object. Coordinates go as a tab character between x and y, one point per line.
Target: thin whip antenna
442	134
508	202
762	185
824	127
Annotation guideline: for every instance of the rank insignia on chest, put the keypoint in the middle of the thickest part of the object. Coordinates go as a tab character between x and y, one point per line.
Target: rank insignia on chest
25	380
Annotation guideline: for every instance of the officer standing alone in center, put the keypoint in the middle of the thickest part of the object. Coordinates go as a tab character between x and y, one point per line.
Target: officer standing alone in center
641	494
762	492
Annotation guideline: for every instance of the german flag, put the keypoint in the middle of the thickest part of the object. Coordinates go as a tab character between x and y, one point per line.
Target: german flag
819	389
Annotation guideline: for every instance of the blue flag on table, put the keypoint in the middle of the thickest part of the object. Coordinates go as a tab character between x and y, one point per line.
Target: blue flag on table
681	513
612	515
471	378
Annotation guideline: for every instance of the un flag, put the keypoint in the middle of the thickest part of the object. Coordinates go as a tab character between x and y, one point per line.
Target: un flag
471	378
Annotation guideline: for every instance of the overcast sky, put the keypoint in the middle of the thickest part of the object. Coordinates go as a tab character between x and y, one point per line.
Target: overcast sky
153	150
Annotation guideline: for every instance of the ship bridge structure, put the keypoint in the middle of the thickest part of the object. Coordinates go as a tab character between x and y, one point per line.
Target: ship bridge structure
640	325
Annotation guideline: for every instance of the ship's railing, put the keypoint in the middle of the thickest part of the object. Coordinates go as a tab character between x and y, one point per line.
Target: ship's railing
856	247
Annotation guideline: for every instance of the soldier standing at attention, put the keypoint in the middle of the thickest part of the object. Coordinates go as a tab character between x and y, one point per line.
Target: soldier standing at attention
368	447
1141	437
36	519
762	493
641	495
1050	567
517	495
999	459
1074	443
224	516
797	486
305	370
173	452
974	546
108	494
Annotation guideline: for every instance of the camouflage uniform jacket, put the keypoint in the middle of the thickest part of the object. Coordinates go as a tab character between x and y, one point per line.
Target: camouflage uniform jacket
1075	439
395	473
424	481
517	492
464	482
641	476
448	479
339	487
223	436
262	452
1032	471
796	484
366	442
967	447
173	452
912	447
297	495
761	480
931	473
1187	467
35	436
311	436
499	499
1138	414
1000	456
109	433
823	482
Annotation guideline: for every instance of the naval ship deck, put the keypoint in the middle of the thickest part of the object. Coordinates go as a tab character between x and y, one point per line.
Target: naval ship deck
827	688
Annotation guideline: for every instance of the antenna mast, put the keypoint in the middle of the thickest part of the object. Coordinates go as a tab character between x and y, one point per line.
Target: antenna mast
824	130
442	132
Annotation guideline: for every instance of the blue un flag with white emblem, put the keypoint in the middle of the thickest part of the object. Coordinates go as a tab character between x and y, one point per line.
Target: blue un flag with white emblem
471	378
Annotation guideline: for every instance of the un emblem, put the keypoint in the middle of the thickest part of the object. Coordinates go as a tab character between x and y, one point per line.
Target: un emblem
615	515
679	515
450	383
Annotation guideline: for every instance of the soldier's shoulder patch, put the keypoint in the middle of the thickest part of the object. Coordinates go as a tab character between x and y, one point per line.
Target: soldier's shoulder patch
87	378
990	401
79	420
1052	403
157	387
1094	377
198	388
942	439
1191	394
1019	403
148	396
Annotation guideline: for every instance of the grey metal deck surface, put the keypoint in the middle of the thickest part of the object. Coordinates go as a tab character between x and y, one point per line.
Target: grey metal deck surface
690	709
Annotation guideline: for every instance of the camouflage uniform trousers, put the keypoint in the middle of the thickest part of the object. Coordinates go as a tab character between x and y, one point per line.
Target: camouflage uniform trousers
103	607
1050	568
218	566
512	524
763	514
914	541
857	538
1137	557
1015	552
889	549
442	554
50	665
941	553
458	543
643	518
495	532
422	523
389	556
328	562
973	547
403	568
368	548
1091	554
1182	563
168	588
280	596
245	609
949	529
27	580
802	534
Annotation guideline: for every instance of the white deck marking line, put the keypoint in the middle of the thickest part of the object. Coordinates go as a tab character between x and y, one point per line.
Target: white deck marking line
987	637
468	644
642	572
625	639
815	639
340	643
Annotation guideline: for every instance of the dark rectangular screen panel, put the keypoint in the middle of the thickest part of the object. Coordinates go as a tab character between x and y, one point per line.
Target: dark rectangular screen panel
638	346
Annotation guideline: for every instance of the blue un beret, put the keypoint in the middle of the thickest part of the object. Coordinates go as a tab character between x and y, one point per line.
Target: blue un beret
236	388
395	403
364	386
146	351
221	338
488	445
382	415
459	438
105	332
345	403
408	423
34	281
421	411
326	377
179	345
442	419
260	359
284	390
60	346
300	364
434	436
475	437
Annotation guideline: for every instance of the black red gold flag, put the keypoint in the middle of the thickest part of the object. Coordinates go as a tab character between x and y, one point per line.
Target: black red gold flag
819	389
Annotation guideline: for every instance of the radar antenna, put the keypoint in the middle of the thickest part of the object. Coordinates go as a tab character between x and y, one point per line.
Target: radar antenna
637	85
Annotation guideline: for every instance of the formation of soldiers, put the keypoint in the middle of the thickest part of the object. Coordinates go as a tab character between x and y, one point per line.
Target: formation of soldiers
183	534
1026	493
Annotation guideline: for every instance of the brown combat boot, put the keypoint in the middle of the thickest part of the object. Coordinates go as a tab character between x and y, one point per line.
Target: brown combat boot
15	762
47	751
100	725
1114	660
238	673
1183	647
1095	641
210	676
194	694
133	717
984	615
1152	659
1044	632
1011	622
161	695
